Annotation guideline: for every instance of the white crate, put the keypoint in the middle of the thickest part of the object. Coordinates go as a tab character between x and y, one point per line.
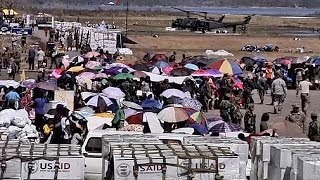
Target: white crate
281	154
308	168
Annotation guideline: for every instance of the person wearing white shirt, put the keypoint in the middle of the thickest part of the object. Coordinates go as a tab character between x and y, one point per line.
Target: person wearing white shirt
304	87
40	57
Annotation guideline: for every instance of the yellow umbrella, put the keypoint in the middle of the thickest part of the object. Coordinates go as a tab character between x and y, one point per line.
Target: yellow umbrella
76	69
8	12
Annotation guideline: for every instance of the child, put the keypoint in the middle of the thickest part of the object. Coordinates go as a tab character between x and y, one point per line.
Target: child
264	124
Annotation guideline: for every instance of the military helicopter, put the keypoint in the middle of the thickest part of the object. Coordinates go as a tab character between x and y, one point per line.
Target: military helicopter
207	24
192	22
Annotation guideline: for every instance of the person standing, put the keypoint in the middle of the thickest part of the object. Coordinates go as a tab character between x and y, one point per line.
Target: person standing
40	57
250	120
299	74
279	92
313	132
173	57
261	87
31	58
226	108
304	86
39	111
12	98
12	69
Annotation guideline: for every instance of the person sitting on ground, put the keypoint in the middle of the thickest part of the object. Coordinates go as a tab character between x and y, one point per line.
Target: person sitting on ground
264	122
298	117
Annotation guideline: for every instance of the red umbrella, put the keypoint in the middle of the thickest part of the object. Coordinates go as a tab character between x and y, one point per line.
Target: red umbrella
135	119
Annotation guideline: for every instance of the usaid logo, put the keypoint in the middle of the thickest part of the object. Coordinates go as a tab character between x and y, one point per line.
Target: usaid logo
4	29
123	170
31	166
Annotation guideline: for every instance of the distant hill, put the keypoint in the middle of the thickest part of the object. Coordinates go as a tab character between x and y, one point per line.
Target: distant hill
232	3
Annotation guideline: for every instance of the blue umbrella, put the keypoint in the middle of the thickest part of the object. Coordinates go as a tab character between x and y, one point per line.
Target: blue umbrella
150	103
191	66
200	128
161	64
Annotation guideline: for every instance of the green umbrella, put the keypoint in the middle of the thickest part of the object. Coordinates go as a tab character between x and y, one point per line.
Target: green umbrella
123	76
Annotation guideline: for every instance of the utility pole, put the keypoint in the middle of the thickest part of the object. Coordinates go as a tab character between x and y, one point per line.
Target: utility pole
127	13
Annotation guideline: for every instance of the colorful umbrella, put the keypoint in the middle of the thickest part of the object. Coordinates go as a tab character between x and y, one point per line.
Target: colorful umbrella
225	127
195	115
57	73
284	60
207	73
167	70
97	100
86	75
92	54
123	76
173	115
174	92
92	64
76	69
46	86
191	66
161	64
227	67
114	93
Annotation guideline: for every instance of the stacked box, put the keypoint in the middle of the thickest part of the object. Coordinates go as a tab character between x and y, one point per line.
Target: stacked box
281	155
308	168
261	153
296	155
125	139
237	146
146	161
38	161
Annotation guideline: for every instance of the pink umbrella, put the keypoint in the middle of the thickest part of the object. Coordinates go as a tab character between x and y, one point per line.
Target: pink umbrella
100	75
65	63
167	70
92	64
86	75
57	73
92	54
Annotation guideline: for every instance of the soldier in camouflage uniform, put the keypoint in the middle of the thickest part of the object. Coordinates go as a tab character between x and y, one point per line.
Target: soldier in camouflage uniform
236	114
250	120
313	133
298	117
226	108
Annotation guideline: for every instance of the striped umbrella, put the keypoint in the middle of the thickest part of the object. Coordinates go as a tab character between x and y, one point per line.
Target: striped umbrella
96	99
207	73
227	66
173	115
225	127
